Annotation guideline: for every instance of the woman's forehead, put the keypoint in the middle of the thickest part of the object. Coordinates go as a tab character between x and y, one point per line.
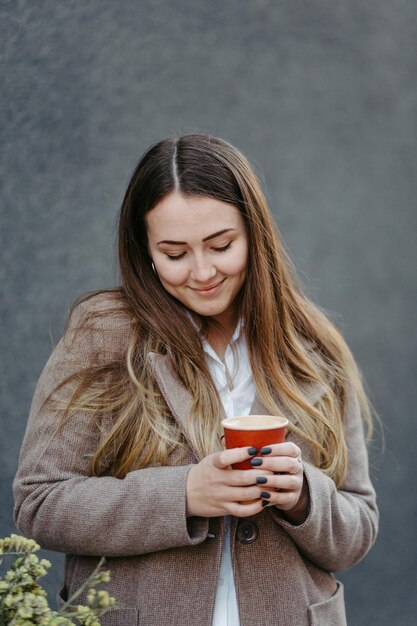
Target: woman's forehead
191	216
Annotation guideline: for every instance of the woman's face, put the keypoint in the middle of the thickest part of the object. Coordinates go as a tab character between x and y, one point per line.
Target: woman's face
199	248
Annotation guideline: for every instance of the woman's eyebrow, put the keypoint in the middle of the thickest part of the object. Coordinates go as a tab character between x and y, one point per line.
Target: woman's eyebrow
184	243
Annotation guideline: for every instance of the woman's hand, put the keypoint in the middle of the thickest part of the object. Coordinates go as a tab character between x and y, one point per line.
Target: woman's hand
214	488
284	480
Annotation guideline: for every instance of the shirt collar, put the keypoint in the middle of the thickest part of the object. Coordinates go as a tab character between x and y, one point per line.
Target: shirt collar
237	331
207	348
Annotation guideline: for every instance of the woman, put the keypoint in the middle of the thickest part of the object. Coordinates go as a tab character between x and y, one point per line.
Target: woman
123	457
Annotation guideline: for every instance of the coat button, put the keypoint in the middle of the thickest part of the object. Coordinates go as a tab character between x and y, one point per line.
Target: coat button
247	531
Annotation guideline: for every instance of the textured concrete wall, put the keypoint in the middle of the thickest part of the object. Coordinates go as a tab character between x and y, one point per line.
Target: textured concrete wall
322	98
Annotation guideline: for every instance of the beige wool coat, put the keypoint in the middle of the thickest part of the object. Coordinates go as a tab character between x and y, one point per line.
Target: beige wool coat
165	567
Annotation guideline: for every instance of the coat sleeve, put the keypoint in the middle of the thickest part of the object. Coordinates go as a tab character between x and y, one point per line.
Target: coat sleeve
61	506
342	524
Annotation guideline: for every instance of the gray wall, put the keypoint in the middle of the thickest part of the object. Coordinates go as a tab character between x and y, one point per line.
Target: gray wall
322	98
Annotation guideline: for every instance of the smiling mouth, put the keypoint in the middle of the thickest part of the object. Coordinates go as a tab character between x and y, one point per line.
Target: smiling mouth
207	289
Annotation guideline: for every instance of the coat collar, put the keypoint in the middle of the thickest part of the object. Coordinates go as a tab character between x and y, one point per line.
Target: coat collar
180	401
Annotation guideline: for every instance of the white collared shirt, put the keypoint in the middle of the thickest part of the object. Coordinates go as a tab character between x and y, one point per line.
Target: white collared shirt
232	377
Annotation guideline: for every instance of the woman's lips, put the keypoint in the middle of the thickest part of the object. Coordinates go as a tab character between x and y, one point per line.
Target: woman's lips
208	291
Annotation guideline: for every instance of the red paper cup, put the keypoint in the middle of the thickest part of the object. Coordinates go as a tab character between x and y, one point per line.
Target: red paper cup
255	431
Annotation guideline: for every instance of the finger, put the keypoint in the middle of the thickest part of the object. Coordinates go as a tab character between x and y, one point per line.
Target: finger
223	459
242	494
241	478
284	500
284	482
279	464
288	448
245	510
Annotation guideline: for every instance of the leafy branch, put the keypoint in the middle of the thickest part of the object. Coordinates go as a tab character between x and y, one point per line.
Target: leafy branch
23	600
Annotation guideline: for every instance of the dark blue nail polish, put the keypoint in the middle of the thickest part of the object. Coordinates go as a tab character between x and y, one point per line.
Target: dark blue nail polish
252	451
265	503
261	480
256	462
265	494
266	450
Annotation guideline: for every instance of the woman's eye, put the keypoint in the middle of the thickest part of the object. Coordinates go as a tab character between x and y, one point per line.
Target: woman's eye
223	248
175	257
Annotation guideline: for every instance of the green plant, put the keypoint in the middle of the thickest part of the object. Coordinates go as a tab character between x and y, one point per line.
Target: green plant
23	601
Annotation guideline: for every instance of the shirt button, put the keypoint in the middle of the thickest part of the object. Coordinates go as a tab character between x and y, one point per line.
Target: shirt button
247	531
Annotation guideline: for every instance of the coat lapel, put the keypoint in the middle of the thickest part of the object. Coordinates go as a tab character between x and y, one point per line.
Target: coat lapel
180	401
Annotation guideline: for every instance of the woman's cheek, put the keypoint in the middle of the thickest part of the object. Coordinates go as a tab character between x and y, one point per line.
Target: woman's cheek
234	264
173	275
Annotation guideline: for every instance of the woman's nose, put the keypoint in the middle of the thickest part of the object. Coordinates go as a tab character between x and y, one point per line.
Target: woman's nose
202	269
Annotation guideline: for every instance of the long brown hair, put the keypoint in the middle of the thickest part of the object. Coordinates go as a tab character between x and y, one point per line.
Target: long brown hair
291	342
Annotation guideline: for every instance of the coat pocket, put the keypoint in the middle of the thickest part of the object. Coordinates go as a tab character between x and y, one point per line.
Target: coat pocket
113	617
330	612
61	597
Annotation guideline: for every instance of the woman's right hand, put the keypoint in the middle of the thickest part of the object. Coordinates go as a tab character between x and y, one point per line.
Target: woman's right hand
214	488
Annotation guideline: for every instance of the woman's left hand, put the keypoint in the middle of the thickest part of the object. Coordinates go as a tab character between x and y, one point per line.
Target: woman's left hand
287	487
